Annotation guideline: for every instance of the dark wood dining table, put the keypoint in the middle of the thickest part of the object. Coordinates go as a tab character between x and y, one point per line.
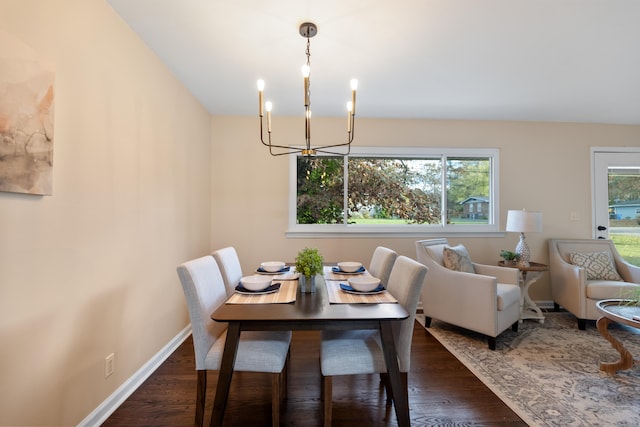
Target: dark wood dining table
310	311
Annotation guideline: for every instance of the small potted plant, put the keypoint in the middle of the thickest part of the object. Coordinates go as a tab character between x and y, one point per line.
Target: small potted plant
509	257
309	263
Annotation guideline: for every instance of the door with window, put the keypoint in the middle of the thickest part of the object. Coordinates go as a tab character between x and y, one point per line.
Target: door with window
616	201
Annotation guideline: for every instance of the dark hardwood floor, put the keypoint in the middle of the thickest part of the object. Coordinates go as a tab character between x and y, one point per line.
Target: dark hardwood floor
442	392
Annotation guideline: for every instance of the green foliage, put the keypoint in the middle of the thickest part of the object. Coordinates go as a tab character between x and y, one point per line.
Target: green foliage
466	177
389	189
319	190
309	262
378	188
628	246
623	188
508	255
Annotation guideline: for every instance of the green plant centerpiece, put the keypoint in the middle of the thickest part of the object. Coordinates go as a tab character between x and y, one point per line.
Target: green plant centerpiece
508	256
309	263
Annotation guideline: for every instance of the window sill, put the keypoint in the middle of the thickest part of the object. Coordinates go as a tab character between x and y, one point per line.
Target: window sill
368	233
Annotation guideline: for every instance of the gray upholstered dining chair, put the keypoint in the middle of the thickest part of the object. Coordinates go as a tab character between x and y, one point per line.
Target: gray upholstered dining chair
381	263
229	264
258	351
360	351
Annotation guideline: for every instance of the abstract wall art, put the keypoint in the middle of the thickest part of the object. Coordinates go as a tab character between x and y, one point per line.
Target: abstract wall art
26	119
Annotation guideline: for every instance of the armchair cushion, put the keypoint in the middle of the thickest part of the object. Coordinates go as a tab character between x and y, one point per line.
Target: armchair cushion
604	289
507	295
597	265
457	258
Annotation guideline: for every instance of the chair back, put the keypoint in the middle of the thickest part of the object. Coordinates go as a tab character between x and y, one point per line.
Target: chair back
431	251
229	264
405	284
382	263
204	291
565	246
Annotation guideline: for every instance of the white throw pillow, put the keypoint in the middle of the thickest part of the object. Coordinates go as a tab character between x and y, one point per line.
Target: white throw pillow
457	258
597	265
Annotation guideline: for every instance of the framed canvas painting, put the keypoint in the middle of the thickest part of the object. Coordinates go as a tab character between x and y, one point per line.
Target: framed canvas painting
26	119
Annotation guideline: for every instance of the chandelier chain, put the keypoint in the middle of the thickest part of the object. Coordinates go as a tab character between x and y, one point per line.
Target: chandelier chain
308	53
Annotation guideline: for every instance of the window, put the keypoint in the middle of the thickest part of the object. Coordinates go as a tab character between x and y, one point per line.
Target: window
396	191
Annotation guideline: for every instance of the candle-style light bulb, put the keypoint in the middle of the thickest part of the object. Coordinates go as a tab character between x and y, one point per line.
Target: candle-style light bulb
268	105
260	92
354	86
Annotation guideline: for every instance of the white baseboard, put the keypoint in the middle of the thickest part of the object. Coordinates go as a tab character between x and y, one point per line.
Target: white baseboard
548	305
106	408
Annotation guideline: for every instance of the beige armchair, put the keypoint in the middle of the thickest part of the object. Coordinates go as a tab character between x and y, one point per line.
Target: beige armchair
578	288
487	301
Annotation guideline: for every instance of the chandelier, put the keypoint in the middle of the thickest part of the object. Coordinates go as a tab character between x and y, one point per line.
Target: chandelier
307	30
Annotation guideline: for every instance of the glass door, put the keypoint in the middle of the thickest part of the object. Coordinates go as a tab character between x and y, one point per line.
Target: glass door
616	201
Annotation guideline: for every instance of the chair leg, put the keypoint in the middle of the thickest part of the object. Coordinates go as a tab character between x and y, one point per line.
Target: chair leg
287	363
514	327
384	377
582	324
404	377
427	321
327	399
556	307
492	343
201	395
276	394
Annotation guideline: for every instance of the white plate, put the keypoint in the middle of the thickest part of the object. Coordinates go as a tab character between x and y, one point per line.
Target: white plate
374	292
362	271
269	273
271	289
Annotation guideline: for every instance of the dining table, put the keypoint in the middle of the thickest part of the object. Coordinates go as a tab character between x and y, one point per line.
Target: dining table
319	310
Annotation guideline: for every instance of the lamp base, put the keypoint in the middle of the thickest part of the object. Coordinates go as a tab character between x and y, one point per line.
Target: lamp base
523	252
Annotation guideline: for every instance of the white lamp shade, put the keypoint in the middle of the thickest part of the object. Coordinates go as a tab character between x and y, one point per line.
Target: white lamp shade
522	221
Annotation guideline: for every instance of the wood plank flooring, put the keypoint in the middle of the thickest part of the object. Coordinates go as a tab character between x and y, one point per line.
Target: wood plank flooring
442	392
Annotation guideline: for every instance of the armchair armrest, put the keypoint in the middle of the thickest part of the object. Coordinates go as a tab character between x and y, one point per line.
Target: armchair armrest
629	272
502	274
464	299
568	284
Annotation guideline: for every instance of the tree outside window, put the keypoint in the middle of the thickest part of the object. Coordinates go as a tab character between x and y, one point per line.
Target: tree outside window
387	190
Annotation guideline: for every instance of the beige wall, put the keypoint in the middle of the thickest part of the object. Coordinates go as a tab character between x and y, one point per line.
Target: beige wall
90	270
543	166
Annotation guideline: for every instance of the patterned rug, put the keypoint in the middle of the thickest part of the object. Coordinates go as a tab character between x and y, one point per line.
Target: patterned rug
549	373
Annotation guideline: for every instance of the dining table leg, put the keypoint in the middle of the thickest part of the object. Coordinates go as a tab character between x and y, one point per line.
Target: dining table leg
391	359
225	373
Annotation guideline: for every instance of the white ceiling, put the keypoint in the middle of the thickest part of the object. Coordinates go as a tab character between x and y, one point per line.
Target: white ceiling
533	60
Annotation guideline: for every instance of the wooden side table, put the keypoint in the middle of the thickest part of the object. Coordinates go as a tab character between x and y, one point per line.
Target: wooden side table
528	276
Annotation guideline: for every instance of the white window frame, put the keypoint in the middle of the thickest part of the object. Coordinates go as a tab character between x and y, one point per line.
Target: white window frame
492	229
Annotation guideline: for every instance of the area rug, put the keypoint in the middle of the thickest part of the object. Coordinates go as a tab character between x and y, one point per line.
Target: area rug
549	373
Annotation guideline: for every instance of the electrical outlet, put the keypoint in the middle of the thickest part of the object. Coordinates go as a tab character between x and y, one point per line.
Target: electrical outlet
574	216
109	365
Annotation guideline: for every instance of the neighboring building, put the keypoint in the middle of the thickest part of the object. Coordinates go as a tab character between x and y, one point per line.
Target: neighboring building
625	210
475	207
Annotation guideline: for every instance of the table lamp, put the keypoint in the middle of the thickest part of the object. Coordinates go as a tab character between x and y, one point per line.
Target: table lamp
522	221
